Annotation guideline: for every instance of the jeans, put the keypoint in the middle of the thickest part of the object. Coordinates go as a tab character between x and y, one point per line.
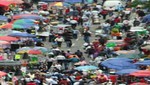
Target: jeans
87	39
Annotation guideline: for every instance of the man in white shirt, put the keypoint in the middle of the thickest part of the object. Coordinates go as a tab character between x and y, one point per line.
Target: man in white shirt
106	27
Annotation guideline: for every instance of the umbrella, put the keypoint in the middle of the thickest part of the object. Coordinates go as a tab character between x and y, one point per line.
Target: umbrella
81	63
126	51
23	49
3	18
5	3
27	16
71	56
23	34
141	73
139	83
73	22
60	4
34	52
2	74
86	68
4	42
118	63
126	71
24	21
73	13
16	26
146	19
12	1
111	44
8	38
42	49
146	47
1	58
132	56
136	29
145	62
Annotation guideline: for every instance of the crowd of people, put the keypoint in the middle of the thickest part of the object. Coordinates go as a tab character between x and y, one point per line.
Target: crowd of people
59	66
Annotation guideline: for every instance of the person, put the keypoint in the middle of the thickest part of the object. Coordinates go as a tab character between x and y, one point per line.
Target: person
75	33
51	36
79	53
104	13
106	27
86	35
59	41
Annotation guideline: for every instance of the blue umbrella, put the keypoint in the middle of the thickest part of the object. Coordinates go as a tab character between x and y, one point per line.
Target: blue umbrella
86	68
118	63
145	62
146	19
3	18
24	34
24	21
126	71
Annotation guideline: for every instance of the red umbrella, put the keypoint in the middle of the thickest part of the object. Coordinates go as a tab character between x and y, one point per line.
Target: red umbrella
8	38
34	52
4	3
2	73
12	1
7	26
141	73
138	83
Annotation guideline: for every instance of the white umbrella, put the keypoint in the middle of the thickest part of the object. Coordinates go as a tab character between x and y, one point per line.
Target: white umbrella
135	29
73	22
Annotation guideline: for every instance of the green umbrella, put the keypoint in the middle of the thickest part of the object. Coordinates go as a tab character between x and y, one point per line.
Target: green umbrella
110	44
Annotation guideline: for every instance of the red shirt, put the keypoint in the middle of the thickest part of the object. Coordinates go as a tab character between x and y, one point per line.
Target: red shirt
31	83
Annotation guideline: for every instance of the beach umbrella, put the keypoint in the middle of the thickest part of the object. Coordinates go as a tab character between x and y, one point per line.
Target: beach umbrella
5	3
111	44
3	18
145	62
4	42
126	71
118	63
8	38
23	34
2	74
12	1
34	52
86	68
141	73
27	16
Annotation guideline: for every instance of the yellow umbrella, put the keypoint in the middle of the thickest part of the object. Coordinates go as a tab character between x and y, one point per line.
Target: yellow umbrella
58	4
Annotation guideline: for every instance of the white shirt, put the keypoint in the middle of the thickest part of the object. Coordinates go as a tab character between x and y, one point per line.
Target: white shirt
59	39
51	81
105	24
60	57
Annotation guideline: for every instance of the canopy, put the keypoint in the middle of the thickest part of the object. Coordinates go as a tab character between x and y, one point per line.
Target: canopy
118	63
145	62
141	73
3	18
23	34
86	68
8	38
126	71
